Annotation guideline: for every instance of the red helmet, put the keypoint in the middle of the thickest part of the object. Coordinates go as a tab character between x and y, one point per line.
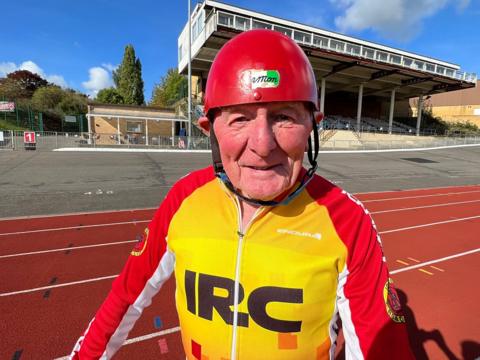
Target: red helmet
259	66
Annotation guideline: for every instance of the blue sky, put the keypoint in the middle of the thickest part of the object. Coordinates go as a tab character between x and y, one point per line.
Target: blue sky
77	43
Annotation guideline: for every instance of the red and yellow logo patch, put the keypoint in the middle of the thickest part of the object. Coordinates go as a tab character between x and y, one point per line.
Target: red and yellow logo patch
141	244
392	302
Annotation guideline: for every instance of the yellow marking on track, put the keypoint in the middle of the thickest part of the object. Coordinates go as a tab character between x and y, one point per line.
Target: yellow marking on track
402	262
425	271
437	268
415	260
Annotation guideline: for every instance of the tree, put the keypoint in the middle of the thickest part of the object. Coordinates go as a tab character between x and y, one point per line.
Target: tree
172	87
21	84
72	104
47	98
110	96
128	78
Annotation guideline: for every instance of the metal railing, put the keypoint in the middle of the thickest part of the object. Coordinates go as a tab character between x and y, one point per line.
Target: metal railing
415	143
47	141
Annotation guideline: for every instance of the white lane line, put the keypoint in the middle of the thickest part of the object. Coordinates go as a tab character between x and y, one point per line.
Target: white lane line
73	227
413	267
57	286
430	224
416	189
67	248
424	207
421	196
139	338
113	276
63	215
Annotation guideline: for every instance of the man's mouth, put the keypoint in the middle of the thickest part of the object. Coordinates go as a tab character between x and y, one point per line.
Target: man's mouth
261	168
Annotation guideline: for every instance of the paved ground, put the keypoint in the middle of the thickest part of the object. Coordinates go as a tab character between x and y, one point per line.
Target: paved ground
38	183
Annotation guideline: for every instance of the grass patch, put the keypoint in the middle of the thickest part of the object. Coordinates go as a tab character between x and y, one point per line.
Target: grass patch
4	125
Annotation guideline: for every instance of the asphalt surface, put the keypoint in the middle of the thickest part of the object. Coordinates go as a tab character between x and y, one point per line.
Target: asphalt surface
42	183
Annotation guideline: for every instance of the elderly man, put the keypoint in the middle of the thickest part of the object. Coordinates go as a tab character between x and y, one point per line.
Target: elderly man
266	254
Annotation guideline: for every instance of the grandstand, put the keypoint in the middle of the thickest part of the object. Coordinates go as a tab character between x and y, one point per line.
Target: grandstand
362	85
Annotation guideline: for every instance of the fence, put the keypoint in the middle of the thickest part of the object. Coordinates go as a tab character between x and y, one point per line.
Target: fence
14	140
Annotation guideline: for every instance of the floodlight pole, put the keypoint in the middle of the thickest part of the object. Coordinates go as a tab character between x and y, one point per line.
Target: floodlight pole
189	110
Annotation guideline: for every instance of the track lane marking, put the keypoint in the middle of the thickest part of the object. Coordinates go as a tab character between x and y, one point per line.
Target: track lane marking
413	259
426	263
402	262
429	224
437	268
424	207
420	196
74	227
426	272
67	248
58	285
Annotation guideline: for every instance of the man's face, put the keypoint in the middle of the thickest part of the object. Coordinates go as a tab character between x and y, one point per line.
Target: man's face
262	146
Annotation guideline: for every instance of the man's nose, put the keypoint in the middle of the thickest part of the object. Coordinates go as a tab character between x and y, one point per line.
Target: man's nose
262	137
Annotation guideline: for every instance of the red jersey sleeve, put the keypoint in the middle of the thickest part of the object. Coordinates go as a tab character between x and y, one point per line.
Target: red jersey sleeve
148	267
373	324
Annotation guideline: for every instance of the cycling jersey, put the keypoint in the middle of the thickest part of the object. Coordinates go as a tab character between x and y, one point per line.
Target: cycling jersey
271	290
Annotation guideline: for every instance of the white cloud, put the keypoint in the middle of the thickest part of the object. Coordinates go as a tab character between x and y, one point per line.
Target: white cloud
109	66
99	78
397	19
8	67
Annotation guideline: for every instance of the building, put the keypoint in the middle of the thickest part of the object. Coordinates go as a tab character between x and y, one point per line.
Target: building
134	125
356	78
457	106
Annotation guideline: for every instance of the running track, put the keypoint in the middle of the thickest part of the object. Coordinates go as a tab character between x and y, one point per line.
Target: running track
57	270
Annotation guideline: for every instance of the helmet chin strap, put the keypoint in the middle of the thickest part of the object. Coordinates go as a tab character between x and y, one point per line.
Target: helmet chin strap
312	158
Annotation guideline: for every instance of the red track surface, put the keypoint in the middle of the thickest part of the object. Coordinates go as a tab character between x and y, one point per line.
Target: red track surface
45	321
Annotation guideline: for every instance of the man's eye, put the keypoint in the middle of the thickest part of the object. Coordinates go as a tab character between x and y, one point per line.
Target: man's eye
238	120
283	118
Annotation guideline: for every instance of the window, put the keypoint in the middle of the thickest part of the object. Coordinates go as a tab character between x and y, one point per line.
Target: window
407	62
180	53
260	25
242	23
320	41
283	30
396	59
440	70
225	19
353	49
430	67
382	56
449	72
134	126
302	37
418	64
368	53
337	45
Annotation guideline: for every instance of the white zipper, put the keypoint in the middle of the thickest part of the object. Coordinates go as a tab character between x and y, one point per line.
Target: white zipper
241	235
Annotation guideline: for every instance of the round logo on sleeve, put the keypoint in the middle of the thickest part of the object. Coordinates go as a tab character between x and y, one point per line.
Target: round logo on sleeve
392	302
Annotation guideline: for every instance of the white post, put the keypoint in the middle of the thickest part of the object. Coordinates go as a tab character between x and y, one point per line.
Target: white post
390	115
359	107
419	115
118	130
322	97
146	132
89	141
189	110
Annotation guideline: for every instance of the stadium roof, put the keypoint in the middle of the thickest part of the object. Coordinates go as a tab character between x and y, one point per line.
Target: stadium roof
343	61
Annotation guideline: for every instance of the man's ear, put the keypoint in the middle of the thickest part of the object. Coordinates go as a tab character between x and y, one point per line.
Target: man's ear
204	124
318	117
